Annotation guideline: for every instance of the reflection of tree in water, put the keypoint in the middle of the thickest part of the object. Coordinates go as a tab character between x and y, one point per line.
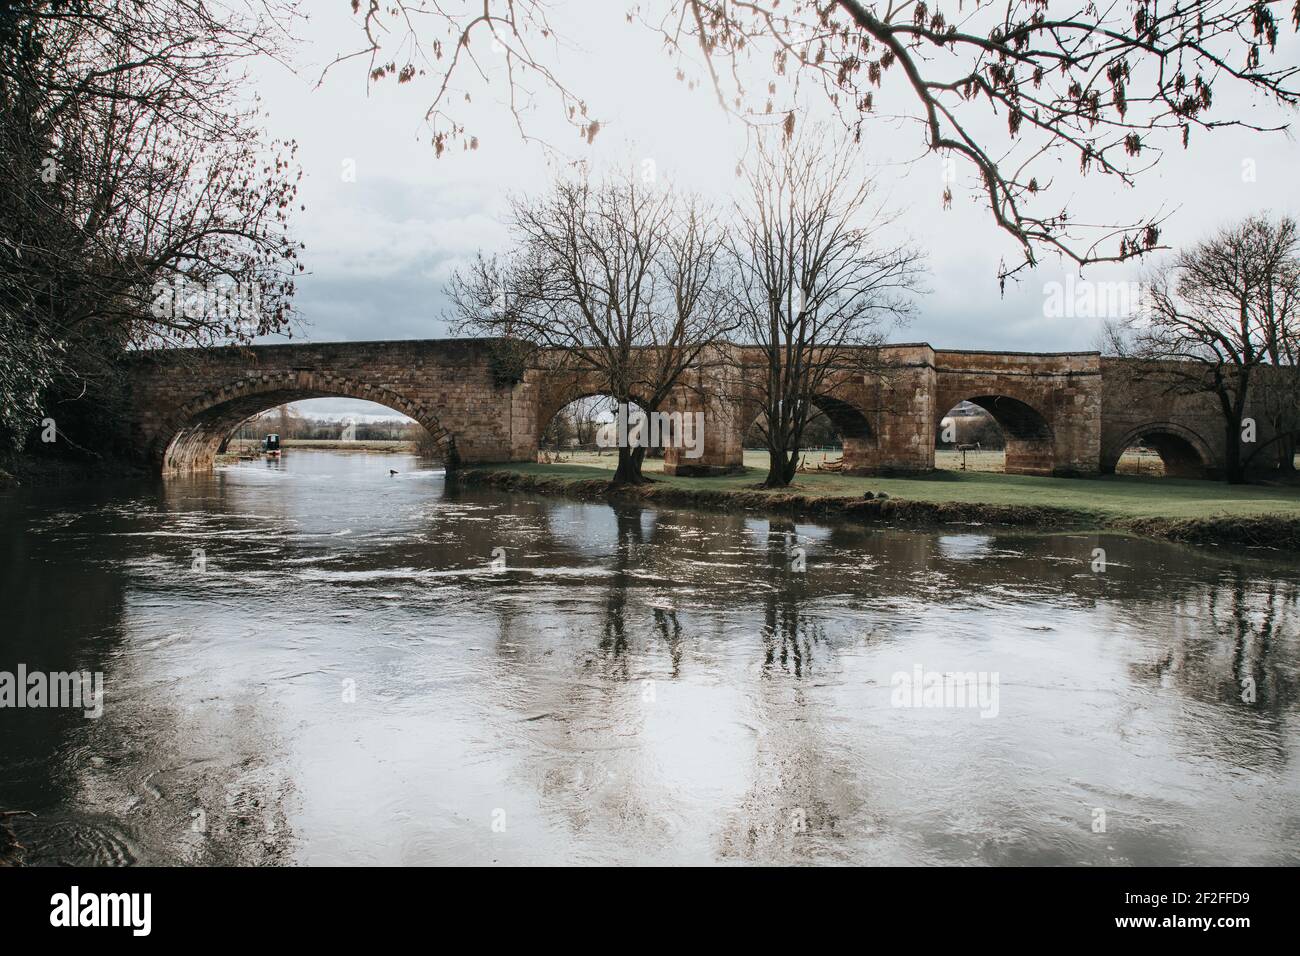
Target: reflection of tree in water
788	639
613	637
613	632
1230	642
614	627
788	635
802	794
1257	659
669	630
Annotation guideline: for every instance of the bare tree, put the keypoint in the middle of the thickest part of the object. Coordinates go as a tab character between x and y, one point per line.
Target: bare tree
140	201
1279	309
560	431
817	287
622	280
1010	88
1218	313
587	419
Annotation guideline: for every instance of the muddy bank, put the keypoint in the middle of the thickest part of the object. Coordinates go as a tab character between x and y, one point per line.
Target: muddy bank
1265	531
1279	532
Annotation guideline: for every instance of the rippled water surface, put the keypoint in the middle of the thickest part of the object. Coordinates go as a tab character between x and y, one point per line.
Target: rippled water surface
344	675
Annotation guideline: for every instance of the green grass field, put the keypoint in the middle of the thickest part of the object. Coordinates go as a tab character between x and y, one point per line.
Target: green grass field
1119	496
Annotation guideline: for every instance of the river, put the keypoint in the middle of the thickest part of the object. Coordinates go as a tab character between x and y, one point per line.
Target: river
316	661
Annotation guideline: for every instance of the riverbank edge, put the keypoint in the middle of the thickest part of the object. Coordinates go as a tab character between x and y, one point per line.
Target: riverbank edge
33	471
1281	532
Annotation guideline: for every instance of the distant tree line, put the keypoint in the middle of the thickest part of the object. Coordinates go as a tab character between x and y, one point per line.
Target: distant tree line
287	423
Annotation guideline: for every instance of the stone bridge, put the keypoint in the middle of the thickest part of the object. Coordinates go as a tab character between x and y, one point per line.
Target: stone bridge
1061	413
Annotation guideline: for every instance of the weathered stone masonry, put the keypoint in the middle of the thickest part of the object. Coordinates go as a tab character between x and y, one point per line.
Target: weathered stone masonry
1062	413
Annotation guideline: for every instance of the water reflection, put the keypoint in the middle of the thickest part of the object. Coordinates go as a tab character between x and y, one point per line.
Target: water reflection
352	677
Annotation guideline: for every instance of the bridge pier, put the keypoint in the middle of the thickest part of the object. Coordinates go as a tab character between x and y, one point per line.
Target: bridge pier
900	408
706	395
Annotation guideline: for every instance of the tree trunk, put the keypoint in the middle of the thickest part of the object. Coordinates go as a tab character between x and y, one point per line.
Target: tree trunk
791	465
776	471
629	466
1286	455
1232	469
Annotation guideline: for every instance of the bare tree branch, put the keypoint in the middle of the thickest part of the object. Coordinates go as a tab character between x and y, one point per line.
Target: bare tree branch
1010	88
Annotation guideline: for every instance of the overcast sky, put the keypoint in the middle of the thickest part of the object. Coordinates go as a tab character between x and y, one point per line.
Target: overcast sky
381	244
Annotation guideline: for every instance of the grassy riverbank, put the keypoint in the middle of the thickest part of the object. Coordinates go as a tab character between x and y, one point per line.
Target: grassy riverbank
1200	511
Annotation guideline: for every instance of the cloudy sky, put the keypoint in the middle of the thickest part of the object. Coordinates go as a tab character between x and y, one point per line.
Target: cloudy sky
386	222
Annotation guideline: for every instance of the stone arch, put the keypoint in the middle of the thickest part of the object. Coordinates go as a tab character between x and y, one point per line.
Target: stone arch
1185	453
559	400
197	429
1030	438
851	422
856	433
